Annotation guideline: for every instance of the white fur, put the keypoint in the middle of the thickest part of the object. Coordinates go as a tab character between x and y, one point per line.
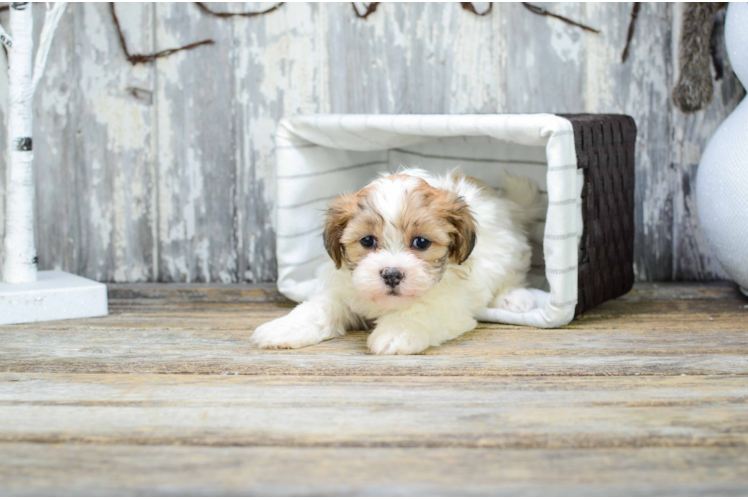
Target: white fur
367	281
430	310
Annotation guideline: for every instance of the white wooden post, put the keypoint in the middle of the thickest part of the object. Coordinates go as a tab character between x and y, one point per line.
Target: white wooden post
26	295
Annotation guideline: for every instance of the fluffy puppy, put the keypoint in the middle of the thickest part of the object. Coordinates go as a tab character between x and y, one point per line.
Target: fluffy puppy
417	255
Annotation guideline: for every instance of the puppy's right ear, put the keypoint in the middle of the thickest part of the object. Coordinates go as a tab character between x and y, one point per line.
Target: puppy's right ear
339	213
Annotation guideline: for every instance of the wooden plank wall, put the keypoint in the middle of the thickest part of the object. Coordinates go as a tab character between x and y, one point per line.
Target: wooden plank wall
164	171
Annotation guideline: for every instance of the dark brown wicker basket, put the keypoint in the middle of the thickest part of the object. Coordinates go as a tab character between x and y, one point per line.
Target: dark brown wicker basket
605	150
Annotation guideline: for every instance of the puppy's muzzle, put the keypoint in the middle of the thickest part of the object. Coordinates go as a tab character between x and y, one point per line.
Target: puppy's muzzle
392	277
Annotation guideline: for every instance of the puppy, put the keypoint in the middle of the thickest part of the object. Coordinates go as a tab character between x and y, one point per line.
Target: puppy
417	255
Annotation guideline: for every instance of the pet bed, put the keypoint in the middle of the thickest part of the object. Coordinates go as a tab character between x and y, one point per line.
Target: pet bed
583	165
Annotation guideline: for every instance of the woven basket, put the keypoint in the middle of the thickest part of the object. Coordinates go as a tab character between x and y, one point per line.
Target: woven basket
583	164
605	151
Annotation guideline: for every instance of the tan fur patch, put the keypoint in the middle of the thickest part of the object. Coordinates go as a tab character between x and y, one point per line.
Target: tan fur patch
434	214
339	213
367	222
348	215
441	217
470	179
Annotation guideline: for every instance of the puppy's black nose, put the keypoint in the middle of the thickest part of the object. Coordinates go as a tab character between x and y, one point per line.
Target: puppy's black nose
391	276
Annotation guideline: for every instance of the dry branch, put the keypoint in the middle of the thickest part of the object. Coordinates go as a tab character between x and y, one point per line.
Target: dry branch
370	9
468	6
144	58
207	10
543	12
630	35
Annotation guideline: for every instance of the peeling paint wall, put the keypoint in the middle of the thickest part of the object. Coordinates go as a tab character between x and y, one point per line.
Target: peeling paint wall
165	171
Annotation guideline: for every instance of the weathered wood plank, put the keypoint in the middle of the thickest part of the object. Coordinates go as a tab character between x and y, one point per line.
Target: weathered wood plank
94	174
196	150
166	171
342	422
715	290
171	293
58	204
34	469
114	156
536	44
416	58
92	147
652	337
472	412
639	87
279	67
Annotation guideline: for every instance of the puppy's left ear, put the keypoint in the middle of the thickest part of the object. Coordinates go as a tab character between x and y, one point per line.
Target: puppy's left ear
465	235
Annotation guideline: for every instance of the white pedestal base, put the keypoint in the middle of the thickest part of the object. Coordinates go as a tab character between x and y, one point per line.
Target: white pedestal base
55	295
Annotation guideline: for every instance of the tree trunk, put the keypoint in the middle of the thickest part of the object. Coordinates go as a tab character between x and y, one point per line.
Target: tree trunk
20	253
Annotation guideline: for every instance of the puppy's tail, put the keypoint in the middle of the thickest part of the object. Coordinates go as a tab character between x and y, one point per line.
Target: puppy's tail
525	195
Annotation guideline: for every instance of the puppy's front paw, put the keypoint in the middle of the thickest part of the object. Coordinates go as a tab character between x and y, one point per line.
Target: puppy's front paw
387	341
518	300
288	332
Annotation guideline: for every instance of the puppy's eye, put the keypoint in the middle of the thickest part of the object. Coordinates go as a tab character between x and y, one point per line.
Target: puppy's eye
368	242
420	243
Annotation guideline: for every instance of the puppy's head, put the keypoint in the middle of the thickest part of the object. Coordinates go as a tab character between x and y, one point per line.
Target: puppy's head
397	236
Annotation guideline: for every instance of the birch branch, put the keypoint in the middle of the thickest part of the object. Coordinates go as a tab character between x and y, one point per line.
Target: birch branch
20	253
5	38
51	20
24	73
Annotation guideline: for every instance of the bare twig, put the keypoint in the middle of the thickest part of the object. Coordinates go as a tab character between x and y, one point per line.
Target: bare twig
542	12
370	9
630	35
468	6
144	58
207	10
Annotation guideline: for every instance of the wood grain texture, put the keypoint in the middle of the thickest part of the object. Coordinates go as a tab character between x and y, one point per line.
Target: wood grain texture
38	469
645	395
204	330
196	147
273	74
165	171
433	412
113	148
546	59
59	222
639	88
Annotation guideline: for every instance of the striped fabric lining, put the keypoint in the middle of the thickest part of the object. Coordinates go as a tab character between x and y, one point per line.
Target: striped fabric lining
557	237
332	170
560	271
482	160
304	203
563	167
561	203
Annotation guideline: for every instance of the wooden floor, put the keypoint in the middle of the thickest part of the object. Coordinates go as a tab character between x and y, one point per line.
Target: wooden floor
644	395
